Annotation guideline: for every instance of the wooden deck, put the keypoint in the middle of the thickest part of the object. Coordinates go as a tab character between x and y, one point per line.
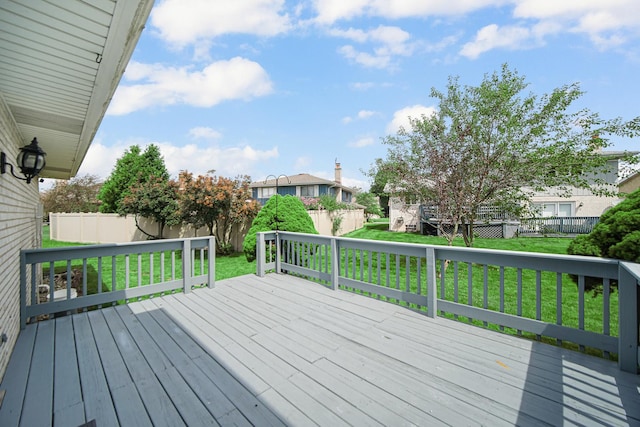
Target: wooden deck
280	350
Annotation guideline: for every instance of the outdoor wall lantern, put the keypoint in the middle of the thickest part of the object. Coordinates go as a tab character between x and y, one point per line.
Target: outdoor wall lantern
30	160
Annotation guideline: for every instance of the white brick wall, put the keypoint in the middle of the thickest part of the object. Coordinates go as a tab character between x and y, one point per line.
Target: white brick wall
19	229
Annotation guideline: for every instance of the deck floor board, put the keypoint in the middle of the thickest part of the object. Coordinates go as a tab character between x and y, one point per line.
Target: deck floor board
280	350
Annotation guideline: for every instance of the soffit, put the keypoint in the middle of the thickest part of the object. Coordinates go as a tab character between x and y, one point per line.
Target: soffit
59	67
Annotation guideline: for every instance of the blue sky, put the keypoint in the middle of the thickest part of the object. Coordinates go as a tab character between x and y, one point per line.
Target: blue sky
271	87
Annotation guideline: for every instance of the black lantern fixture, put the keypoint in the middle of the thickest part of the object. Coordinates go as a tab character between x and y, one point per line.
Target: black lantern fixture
30	160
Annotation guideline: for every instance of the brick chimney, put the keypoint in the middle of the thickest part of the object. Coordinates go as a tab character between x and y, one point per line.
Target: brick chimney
338	177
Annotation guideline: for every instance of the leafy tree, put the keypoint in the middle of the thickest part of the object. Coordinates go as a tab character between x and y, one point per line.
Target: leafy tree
198	206
370	203
281	214
155	198
380	173
494	145
233	196
217	203
132	168
79	194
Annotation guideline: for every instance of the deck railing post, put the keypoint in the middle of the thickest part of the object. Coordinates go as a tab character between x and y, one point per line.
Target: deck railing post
186	266
211	268
23	290
335	263
261	255
628	319
432	295
278	260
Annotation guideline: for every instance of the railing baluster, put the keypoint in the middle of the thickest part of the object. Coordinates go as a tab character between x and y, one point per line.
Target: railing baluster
606	291
538	298
581	305
442	281
455	285
127	271
84	279
151	269
407	273
114	284
470	287
485	290
52	281
559	302
519	293
501	293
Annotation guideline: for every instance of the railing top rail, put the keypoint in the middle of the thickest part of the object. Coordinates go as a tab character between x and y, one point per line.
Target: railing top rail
108	249
573	264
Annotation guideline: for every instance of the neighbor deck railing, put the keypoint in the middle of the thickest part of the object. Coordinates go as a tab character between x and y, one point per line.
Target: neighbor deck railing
524	293
558	225
110	273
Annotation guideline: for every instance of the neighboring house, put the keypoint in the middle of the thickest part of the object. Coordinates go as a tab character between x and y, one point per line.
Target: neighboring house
404	215
303	185
582	202
629	184
61	64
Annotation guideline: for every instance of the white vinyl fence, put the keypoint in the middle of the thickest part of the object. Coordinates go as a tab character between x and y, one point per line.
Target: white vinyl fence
112	228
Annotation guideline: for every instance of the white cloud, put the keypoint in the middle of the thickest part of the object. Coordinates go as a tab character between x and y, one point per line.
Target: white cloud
330	11
362	142
493	36
202	132
365	114
608	24
226	161
401	117
182	22
388	43
362	115
158	85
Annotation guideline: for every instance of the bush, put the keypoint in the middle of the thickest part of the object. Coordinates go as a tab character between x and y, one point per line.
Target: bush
617	235
291	216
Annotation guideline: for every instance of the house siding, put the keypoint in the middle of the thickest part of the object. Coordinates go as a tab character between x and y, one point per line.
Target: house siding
20	228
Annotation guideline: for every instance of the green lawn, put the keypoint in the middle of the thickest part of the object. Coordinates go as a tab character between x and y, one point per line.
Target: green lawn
379	230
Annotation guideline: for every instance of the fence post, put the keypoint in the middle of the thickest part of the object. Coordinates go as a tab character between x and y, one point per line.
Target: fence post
186	265
628	319
261	254
211	281
432	296
335	263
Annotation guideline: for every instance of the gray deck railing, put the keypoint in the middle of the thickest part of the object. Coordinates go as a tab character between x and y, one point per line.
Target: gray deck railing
558	225
543	296
110	273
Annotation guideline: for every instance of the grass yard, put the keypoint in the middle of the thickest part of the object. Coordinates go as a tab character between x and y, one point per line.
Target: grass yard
379	230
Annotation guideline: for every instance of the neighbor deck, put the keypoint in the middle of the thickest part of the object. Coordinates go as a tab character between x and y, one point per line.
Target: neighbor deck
280	350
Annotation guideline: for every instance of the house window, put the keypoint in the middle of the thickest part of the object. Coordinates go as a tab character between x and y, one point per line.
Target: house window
308	191
266	192
549	209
